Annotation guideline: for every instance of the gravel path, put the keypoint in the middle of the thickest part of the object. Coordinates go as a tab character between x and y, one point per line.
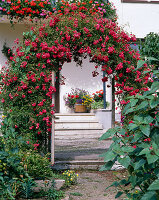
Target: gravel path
91	185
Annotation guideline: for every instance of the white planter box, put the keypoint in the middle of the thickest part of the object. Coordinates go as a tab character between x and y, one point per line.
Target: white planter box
104	117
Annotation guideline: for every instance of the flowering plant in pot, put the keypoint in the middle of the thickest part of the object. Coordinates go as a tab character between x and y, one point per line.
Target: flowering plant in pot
78	97
20	9
98	102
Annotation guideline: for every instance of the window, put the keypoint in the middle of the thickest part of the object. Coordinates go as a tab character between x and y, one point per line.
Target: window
139	1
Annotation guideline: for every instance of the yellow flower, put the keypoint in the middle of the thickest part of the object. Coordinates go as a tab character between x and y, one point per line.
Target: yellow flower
3	116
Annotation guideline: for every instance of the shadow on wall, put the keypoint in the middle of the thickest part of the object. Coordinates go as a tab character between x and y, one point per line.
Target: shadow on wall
80	77
8	34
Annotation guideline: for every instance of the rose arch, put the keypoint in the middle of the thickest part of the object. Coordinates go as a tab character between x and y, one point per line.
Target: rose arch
76	31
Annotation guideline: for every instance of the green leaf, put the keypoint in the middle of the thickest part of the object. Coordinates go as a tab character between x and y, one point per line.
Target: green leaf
139	164
132	126
127	149
154	185
155	135
137	136
149	196
138	118
109	156
107	166
140	64
122	131
118	194
108	134
133	102
125	161
142	105
130	110
154	102
148	119
145	129
145	151
157	117
133	179
14	151
151	158
27	48
151	58
12	129
126	107
155	86
115	183
17	59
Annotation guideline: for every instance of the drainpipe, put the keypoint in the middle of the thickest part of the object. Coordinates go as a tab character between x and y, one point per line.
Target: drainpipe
104	85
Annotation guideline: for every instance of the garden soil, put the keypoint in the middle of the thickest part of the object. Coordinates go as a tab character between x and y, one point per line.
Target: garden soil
92	185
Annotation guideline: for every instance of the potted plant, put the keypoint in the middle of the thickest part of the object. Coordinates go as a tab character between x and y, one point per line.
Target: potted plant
79	100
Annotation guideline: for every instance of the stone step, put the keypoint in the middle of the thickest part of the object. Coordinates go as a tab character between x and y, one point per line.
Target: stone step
75	121
83	164
62	165
64	132
78	126
75	116
73	137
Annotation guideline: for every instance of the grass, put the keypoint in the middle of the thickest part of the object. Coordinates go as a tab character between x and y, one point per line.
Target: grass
76	194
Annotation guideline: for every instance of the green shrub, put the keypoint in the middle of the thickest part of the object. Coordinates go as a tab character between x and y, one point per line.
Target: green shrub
36	165
136	145
11	172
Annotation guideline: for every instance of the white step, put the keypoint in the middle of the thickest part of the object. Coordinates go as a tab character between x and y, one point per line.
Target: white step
75	116
78	132
78	126
57	121
72	137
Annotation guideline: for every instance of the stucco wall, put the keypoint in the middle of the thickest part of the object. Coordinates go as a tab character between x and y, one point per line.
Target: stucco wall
77	77
138	18
8	34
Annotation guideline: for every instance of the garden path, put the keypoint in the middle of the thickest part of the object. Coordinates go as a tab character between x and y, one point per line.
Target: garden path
91	185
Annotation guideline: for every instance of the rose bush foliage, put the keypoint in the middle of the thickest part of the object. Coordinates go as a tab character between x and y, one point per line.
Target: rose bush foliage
75	31
73	34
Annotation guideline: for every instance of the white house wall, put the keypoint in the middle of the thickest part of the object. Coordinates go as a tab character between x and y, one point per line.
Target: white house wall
138	18
80	77
8	34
